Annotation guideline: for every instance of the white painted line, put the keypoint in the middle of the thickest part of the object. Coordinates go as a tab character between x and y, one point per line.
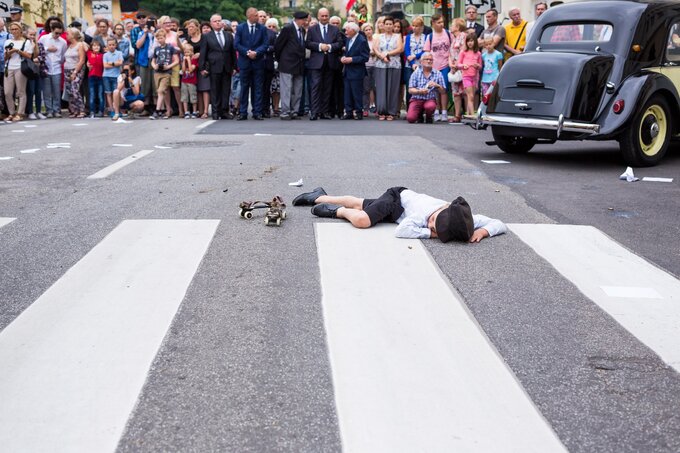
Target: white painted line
29	151
205	124
59	144
58	147
6	220
631	291
412	370
111	169
162	147
122	145
495	161
30	125
262	135
21	131
6	157
73	363
80	124
593	261
655	179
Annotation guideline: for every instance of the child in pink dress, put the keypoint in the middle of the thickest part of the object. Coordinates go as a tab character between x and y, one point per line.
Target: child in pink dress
470	62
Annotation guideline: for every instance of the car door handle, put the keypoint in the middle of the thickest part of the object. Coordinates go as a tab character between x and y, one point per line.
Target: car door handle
530	83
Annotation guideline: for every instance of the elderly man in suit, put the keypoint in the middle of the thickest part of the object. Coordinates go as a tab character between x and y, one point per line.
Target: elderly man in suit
217	60
251	42
325	43
289	50
355	58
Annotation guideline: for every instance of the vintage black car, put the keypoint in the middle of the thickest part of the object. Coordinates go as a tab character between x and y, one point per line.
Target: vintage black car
593	70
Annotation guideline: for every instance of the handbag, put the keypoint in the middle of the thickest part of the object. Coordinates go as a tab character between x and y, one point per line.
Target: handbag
456	77
28	67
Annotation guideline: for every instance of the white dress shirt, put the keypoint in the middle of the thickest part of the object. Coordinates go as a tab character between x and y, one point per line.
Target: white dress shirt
419	207
53	60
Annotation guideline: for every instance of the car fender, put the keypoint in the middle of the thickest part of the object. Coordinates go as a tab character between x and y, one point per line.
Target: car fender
635	92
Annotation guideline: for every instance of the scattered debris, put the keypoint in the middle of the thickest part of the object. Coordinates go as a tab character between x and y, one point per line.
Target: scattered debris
628	175
298	183
225	190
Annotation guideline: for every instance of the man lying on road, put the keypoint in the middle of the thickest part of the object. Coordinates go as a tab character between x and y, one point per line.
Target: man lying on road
419	216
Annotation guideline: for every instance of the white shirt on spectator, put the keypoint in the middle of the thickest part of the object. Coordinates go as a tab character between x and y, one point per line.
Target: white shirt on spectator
53	60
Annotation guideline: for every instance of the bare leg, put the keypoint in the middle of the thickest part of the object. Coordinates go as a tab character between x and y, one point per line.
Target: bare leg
357	217
345	201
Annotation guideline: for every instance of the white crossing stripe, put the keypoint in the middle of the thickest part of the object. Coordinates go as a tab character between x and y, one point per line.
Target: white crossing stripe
412	370
111	169
73	363
205	124
6	220
605	272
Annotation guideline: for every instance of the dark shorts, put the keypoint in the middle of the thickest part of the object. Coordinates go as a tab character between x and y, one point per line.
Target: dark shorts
132	98
386	208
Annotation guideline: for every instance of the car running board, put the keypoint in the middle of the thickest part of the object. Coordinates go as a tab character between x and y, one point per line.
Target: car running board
539	141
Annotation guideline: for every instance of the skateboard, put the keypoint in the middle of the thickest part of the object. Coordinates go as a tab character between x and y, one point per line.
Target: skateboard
275	210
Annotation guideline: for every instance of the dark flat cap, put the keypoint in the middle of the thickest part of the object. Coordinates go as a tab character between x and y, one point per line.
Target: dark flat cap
455	222
300	15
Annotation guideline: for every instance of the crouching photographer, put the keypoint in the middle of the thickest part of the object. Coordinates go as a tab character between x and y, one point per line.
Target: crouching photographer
127	95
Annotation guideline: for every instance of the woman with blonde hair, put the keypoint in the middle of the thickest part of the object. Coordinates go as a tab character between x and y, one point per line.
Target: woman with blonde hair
17	48
413	49
458	35
74	70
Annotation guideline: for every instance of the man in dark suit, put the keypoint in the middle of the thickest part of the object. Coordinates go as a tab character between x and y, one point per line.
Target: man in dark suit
324	42
217	60
355	58
289	50
337	100
471	20
251	43
269	71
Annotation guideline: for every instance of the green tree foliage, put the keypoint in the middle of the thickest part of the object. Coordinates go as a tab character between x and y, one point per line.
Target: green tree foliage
203	9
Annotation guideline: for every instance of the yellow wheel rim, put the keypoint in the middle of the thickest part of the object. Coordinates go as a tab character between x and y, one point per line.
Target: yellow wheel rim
653	129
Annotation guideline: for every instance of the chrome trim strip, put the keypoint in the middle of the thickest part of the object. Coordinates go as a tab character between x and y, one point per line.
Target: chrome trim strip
560	125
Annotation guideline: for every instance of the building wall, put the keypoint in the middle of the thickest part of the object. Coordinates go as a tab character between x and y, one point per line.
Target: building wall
36	11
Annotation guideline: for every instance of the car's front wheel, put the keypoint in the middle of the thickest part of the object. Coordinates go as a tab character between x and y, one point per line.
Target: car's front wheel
645	142
512	144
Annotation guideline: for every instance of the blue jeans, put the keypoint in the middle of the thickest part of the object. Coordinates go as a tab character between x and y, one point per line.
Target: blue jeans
34	90
96	94
52	93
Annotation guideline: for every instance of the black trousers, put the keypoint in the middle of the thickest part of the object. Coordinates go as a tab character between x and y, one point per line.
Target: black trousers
220	89
267	92
322	82
337	98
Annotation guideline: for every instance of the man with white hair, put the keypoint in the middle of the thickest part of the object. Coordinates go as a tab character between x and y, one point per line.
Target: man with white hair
289	49
354	60
424	86
515	34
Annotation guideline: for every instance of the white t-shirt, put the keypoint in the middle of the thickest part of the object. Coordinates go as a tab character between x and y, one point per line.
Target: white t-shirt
53	60
137	81
15	59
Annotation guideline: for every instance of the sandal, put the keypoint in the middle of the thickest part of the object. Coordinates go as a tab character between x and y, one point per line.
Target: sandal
81	115
204	116
390	118
381	117
72	115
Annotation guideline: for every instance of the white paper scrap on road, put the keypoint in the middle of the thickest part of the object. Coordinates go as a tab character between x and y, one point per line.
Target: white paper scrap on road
111	169
593	261
73	363
298	183
412	370
122	145
6	158
628	175
655	179
29	151
205	124
495	162
5	221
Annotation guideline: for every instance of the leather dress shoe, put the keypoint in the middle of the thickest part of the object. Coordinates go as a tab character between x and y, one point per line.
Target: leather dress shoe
308	198
326	210
257	117
215	116
326	116
347	116
359	116
227	116
242	117
266	115
294	116
313	117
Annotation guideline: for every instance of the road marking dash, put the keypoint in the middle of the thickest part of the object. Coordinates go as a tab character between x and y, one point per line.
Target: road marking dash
6	158
29	151
111	169
494	162
655	179
122	145
205	124
6	221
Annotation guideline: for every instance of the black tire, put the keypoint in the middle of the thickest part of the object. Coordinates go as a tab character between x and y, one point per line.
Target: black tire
645	141
512	144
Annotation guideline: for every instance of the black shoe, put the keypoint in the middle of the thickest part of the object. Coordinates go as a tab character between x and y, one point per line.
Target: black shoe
242	117
359	116
257	117
313	117
326	116
215	116
347	116
308	198
227	116
326	210
266	115
294	116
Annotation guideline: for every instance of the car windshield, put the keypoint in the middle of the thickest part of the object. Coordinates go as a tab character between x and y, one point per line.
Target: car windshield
577	32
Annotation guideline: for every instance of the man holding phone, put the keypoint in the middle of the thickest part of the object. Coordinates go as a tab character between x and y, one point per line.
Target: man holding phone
142	37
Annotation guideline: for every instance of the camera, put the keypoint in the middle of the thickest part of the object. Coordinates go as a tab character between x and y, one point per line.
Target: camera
9	46
151	23
161	67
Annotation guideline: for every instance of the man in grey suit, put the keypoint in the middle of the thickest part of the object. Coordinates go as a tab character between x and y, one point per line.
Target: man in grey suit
289	50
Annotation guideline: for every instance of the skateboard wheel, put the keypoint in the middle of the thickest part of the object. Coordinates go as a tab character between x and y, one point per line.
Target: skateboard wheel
278	222
240	212
248	215
266	221
283	215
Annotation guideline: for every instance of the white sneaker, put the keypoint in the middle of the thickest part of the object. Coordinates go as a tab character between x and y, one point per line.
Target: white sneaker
32	116
41	116
444	117
437	118
57	115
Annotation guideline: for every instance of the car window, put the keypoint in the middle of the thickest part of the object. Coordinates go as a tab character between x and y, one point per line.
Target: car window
673	46
577	32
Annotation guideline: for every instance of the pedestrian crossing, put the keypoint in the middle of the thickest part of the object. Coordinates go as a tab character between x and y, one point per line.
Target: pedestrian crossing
412	370
6	221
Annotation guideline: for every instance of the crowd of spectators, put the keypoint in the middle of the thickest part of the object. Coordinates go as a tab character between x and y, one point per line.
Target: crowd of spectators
222	69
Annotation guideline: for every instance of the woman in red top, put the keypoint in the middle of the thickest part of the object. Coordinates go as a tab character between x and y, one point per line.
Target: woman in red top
95	66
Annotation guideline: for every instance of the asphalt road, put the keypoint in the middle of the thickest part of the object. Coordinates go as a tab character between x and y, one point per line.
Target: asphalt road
244	364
